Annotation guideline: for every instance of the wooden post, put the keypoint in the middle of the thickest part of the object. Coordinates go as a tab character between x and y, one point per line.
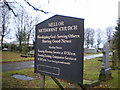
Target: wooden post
42	81
83	87
57	82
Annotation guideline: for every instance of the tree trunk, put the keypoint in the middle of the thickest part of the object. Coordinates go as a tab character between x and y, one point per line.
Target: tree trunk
20	46
3	32
2	42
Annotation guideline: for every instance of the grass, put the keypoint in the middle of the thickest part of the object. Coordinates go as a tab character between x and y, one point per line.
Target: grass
92	69
113	83
91	72
8	56
10	82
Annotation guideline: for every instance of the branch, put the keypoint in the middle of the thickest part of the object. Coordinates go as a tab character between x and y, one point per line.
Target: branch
6	3
35	7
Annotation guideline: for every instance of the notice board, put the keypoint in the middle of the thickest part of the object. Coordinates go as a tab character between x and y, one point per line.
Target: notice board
59	48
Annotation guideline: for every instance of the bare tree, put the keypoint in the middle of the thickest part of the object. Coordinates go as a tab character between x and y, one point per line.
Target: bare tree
99	37
25	25
36	21
26	1
8	6
89	37
30	23
29	26
109	33
37	9
4	17
20	32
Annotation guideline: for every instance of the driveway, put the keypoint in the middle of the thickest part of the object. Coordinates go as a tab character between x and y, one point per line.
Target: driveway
17	65
92	56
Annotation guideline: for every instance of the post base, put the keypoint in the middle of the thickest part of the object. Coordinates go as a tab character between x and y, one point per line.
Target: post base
105	74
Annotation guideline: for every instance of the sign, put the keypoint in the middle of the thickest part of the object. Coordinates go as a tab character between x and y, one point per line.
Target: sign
59	48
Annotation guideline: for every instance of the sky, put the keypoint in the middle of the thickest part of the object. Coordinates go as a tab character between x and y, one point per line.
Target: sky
97	13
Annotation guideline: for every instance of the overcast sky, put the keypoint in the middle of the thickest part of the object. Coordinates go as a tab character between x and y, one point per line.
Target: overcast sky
97	13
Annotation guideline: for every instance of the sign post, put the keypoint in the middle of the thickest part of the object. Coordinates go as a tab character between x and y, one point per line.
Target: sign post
42	81
59	48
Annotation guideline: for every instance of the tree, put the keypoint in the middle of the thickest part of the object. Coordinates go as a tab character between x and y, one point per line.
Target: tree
14	7
25	25
37	9
117	40
20	28
109	33
29	26
99	38
9	7
89	37
4	17
36	21
34	8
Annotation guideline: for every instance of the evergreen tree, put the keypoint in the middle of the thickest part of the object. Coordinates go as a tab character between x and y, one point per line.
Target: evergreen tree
117	39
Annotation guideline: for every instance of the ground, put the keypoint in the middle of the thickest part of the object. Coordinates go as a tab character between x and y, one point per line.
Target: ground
14	57
91	72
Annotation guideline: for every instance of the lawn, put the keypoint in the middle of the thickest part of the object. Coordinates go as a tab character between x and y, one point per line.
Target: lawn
8	56
9	82
92	68
91	72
